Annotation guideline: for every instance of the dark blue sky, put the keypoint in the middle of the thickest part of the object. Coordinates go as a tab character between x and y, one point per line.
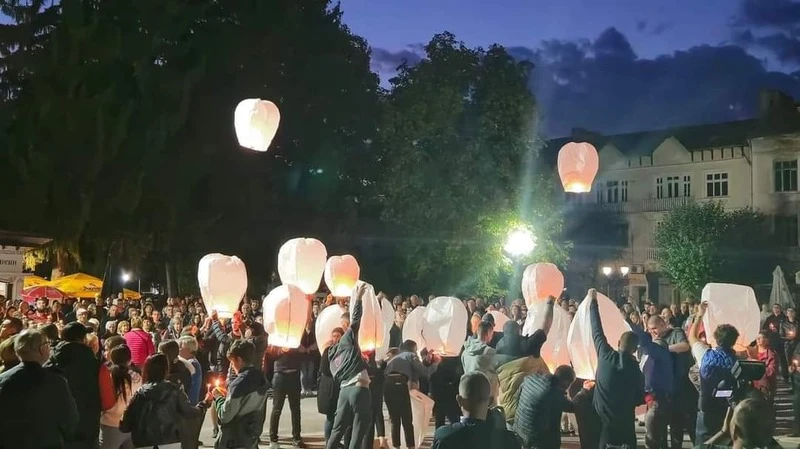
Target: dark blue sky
610	65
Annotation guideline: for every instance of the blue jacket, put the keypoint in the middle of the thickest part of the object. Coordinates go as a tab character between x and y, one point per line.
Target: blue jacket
658	369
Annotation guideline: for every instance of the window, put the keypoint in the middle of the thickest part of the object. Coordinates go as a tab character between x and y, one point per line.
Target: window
786	229
612	191
673	184
624	191
599	188
687	186
716	184
659	187
786	176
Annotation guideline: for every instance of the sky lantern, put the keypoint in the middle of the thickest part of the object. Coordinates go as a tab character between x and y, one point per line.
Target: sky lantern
370	334
413	326
223	283
731	304
387	311
341	275
579	339
500	320
577	166
301	262
256	122
328	319
445	326
541	280
285	315
555	350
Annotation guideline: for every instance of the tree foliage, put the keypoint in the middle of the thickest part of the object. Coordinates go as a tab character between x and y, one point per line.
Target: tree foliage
702	243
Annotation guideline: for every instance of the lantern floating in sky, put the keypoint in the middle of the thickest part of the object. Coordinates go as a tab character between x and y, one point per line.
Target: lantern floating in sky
555	350
285	315
341	275
223	283
413	326
301	262
328	319
577	166
445	326
541	280
579	339
370	334
731	304
256	122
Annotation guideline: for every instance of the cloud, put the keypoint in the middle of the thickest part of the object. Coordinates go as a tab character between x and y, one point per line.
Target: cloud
769	13
656	29
660	28
386	61
771	25
641	26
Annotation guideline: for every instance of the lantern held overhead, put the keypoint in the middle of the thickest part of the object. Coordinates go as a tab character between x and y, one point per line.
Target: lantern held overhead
285	315
341	275
541	280
413	326
223	283
256	121
555	350
370	333
731	304
580	342
301	262
328	319
445	327
577	166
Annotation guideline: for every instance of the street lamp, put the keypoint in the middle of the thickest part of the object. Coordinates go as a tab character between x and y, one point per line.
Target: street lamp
607	271
126	277
624	270
612	275
520	242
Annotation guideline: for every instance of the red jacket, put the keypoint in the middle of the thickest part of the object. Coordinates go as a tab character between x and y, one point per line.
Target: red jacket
141	345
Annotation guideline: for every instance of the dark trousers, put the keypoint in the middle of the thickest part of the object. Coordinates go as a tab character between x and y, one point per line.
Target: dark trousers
655	423
285	384
378	425
446	407
796	409
788	351
354	407
684	413
398	403
708	424
617	432
782	360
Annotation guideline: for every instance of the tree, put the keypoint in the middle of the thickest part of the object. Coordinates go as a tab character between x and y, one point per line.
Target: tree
702	243
458	152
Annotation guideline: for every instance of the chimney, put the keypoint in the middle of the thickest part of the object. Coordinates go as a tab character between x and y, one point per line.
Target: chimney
776	104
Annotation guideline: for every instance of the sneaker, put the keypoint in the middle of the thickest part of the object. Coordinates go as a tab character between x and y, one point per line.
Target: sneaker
298	444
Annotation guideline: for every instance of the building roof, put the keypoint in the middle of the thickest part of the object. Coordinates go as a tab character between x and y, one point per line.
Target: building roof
10	238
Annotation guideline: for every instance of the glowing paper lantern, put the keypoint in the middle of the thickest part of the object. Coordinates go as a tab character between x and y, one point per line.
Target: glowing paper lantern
301	262
421	413
223	283
445	326
577	166
541	280
555	350
500	320
256	122
579	339
731	304
341	275
328	319
370	334
285	315
387	311
413	326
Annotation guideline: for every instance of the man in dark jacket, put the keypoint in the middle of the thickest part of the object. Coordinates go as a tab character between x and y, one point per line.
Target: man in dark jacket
285	384
444	389
620	384
474	431
74	360
39	411
240	412
586	416
659	386
349	369
179	374
542	401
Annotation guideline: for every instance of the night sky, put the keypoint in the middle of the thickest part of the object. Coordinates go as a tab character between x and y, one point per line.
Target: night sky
610	65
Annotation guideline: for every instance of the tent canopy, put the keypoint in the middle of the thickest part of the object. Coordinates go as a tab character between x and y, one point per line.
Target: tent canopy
33	281
81	285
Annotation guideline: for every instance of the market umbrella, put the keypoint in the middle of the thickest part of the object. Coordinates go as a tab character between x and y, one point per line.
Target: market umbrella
31	294
78	285
130	294
33	281
780	293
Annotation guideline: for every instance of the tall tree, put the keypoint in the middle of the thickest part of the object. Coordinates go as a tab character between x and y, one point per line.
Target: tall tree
458	150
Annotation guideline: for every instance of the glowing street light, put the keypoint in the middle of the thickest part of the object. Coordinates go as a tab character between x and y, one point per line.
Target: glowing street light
520	242
126	276
624	270
607	271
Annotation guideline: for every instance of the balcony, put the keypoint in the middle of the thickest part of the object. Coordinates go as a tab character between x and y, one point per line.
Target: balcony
663	204
648	205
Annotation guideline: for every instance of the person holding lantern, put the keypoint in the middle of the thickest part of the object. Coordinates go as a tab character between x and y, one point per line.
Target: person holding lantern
772	327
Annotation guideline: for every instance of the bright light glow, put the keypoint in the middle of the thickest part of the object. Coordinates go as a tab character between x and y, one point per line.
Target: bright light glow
607	271
624	270
126	276
577	187
520	242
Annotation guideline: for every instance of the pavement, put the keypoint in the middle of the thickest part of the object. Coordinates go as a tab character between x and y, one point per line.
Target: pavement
312	424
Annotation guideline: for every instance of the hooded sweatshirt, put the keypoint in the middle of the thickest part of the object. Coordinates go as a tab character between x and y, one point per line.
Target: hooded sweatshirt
474	348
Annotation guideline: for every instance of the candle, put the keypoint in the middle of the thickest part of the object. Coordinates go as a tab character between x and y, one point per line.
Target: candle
216	383
790	334
772	326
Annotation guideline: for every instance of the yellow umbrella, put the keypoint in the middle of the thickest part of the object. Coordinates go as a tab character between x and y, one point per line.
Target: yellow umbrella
33	281
130	294
78	285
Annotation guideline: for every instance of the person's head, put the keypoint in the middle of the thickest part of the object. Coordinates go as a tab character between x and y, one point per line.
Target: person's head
169	348
666	314
408	346
790	313
120	355
74	333
177	325
123	327
726	336
93	342
485	331
82	315
657	326
474	395
241	354
188	346
629	343
41	303
31	345
762	340
50	331
10	326
471	305
155	315
112	342
336	335
516	312
474	321
777	309
156	368
147	325
345	320
564	377
752	424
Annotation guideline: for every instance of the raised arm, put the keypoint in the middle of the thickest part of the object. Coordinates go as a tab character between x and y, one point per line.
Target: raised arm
695	327
598	336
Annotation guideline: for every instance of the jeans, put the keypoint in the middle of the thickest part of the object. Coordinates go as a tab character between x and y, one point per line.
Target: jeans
655	423
285	384
617	432
308	375
398	403
684	413
708	424
113	438
378	425
354	407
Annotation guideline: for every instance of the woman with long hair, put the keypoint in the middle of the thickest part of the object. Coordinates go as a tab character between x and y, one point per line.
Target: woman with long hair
123	327
125	382
158	409
763	352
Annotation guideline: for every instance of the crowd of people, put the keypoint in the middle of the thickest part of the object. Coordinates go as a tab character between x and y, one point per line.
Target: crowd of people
117	373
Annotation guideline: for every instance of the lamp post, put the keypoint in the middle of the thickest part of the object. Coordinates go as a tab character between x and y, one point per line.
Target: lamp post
126	277
519	244
613	275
